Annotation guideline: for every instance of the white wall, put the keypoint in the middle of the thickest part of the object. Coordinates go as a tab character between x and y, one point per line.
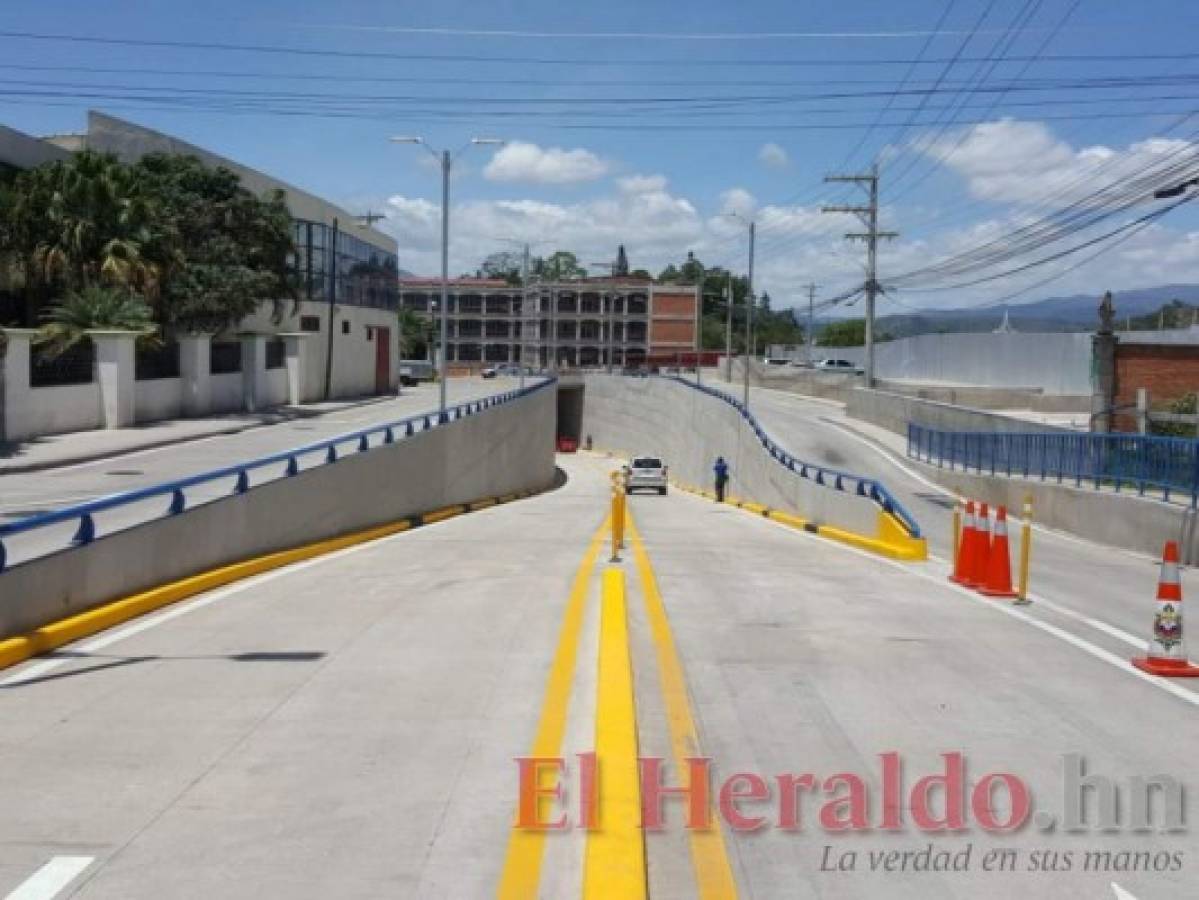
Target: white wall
157	398
353	353
1058	363
62	408
228	394
276	386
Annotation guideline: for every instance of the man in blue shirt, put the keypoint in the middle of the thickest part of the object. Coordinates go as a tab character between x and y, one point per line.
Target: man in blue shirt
721	470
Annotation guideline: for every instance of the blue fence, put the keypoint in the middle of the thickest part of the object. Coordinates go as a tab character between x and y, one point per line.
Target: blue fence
1123	461
834	479
241	476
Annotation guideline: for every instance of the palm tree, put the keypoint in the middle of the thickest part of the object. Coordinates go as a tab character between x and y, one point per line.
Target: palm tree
84	222
96	306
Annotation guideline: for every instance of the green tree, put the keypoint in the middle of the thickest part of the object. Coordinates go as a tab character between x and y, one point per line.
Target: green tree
415	334
84	221
94	306
561	265
505	265
229	250
848	333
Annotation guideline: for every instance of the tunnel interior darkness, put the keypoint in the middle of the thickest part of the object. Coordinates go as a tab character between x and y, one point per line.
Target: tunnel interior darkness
570	412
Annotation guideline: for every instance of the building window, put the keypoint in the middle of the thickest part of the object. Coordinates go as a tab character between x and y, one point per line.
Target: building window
345	327
370	332
276	353
310	323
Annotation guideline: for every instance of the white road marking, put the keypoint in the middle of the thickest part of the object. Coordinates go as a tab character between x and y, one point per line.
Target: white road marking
51	878
1122	894
34	670
1073	640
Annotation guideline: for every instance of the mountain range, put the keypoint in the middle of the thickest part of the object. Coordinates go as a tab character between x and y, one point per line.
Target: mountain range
1078	312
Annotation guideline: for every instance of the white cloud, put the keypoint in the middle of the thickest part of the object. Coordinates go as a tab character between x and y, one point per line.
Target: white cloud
641	184
1024	163
796	243
774	156
737	201
520	161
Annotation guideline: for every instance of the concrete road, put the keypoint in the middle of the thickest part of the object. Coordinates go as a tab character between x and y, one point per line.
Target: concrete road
347	727
28	493
1070	577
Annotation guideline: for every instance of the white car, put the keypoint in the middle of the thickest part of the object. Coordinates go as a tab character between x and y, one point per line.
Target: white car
839	365
646	473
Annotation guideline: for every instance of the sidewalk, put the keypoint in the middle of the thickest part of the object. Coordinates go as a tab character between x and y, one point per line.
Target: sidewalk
55	450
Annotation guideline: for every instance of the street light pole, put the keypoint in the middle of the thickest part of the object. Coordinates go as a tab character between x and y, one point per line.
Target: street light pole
728	326
749	316
442	362
446	160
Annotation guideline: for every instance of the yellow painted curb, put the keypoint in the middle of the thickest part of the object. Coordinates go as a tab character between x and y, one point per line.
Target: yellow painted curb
614	859
49	637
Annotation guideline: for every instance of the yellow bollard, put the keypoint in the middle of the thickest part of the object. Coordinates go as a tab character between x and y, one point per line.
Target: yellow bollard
618	513
957	529
1025	548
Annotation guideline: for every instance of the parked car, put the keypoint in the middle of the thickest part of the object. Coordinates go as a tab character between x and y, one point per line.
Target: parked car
646	473
489	372
414	371
776	360
839	365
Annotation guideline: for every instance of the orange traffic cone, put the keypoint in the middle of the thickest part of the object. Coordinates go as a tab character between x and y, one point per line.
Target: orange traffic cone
1167	653
965	560
998	582
976	576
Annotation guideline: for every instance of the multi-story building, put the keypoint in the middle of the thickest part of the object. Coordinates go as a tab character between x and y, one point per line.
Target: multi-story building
622	321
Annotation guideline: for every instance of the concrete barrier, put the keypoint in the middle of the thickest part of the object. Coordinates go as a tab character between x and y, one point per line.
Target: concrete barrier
894	412
502	450
689	429
1118	520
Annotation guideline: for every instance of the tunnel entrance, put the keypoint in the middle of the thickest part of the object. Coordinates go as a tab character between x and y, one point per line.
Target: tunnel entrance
570	414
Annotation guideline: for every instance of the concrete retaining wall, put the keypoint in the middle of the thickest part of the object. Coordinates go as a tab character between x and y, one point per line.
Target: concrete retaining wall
894	411
502	450
1118	520
689	429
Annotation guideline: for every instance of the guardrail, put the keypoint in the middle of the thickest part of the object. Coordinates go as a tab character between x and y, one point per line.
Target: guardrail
280	465
1121	461
834	479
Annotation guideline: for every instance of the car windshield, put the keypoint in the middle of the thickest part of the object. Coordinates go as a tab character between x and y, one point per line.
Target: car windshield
647	462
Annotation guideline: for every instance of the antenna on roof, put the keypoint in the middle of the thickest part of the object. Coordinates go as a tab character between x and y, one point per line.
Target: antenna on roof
370	218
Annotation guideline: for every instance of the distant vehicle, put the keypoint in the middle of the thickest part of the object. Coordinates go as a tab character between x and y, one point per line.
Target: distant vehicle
414	371
839	365
776	360
646	473
490	372
802	364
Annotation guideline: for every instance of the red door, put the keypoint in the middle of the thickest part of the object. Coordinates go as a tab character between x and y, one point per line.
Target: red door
382	360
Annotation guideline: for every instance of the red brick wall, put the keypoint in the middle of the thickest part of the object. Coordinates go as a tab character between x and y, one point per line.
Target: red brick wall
673	322
674	304
1168	371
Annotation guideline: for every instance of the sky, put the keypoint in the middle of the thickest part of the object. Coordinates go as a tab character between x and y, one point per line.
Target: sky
666	127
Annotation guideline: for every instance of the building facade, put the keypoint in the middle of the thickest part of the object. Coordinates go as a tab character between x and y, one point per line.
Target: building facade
620	321
346	271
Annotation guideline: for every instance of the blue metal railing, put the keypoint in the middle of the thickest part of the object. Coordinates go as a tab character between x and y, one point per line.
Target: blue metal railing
834	479
328	451
1133	461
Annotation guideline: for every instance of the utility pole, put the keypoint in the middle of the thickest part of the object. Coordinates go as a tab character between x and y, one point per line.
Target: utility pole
749	316
332	306
728	327
524	315
811	322
869	216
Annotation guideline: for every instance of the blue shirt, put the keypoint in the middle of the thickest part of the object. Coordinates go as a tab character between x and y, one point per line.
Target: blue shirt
721	469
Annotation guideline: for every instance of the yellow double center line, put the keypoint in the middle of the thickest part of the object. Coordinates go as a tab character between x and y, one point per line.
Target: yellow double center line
614	858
